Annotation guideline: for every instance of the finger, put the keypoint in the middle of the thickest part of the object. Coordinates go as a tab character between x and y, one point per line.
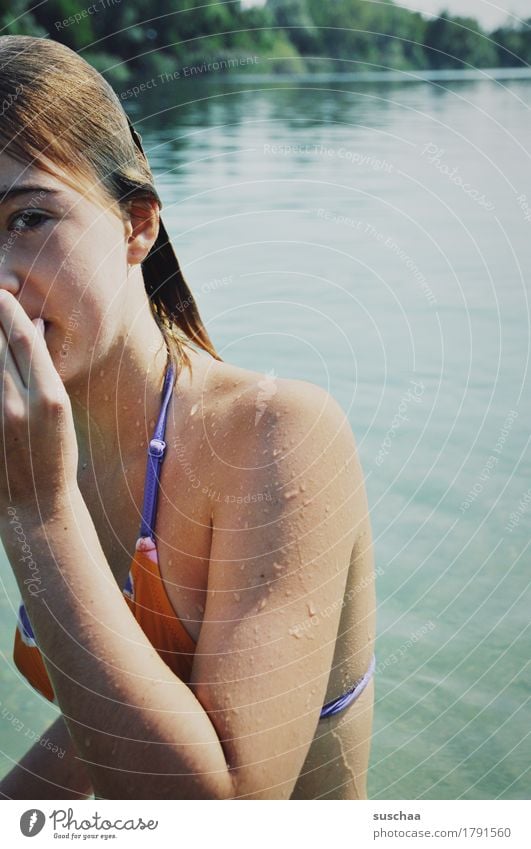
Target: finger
26	344
12	389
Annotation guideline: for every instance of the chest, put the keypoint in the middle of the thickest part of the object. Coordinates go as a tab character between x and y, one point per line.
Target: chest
182	527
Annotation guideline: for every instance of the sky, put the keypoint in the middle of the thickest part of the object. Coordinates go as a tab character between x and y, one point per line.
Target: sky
489	13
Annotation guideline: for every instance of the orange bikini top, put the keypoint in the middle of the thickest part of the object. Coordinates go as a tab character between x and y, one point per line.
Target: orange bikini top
144	589
146	596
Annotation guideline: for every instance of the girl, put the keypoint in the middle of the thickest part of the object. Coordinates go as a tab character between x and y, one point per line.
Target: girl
228	652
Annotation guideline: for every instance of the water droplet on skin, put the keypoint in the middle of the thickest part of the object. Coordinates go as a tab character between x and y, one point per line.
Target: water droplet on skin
276	452
237	596
105	397
242	567
294	632
194	409
311	609
291	494
327	508
302	487
306	502
278	567
200	608
262	603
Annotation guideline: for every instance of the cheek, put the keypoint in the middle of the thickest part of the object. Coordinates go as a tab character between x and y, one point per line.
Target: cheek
80	268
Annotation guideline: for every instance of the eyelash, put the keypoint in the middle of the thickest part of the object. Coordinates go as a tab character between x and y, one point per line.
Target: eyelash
28	214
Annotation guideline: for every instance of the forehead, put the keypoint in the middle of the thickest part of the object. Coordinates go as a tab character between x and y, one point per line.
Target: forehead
23	180
15	175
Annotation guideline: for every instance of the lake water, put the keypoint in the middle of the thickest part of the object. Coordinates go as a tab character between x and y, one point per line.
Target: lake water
373	237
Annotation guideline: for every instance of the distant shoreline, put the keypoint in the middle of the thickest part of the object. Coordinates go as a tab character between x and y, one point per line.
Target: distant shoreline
372	76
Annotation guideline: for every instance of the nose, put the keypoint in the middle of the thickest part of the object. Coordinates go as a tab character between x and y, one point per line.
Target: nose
8	280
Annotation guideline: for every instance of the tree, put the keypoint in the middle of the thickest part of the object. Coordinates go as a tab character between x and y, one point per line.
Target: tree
454	42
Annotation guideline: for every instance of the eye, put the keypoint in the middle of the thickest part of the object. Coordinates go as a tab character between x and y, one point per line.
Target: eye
27	219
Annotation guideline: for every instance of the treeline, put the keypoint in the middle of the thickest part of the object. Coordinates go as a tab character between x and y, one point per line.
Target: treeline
127	38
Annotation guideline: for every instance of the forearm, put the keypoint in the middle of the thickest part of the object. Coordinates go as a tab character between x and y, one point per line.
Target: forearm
43	774
140	731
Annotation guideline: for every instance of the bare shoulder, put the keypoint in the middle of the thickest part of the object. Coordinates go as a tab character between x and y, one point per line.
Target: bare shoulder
284	435
251	402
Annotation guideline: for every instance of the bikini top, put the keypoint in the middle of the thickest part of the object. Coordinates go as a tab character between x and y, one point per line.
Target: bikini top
146	595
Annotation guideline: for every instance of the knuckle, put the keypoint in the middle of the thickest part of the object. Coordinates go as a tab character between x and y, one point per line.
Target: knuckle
52	404
19	339
13	414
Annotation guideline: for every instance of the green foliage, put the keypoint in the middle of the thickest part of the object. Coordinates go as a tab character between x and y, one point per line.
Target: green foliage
458	42
513	44
16	19
125	38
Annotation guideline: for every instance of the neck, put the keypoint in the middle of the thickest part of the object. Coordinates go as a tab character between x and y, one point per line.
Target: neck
115	408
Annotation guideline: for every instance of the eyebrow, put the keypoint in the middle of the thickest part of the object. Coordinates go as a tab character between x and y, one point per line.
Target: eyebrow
8	194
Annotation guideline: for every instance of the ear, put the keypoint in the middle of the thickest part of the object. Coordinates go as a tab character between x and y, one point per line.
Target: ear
142	228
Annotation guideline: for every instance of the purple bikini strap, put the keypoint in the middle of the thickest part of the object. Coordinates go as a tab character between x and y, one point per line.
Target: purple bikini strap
342	702
156	450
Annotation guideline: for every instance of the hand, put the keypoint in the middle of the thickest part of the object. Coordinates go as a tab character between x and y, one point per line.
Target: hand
38	462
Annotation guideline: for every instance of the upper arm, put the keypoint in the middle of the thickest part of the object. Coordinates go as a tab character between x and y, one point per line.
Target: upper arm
283	532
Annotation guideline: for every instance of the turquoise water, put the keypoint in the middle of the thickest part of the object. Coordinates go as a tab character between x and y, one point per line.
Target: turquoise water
372	237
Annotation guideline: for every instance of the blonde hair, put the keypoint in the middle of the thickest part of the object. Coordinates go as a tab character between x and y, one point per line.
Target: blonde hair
57	108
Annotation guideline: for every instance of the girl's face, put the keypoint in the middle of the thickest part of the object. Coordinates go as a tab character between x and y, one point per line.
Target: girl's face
65	258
